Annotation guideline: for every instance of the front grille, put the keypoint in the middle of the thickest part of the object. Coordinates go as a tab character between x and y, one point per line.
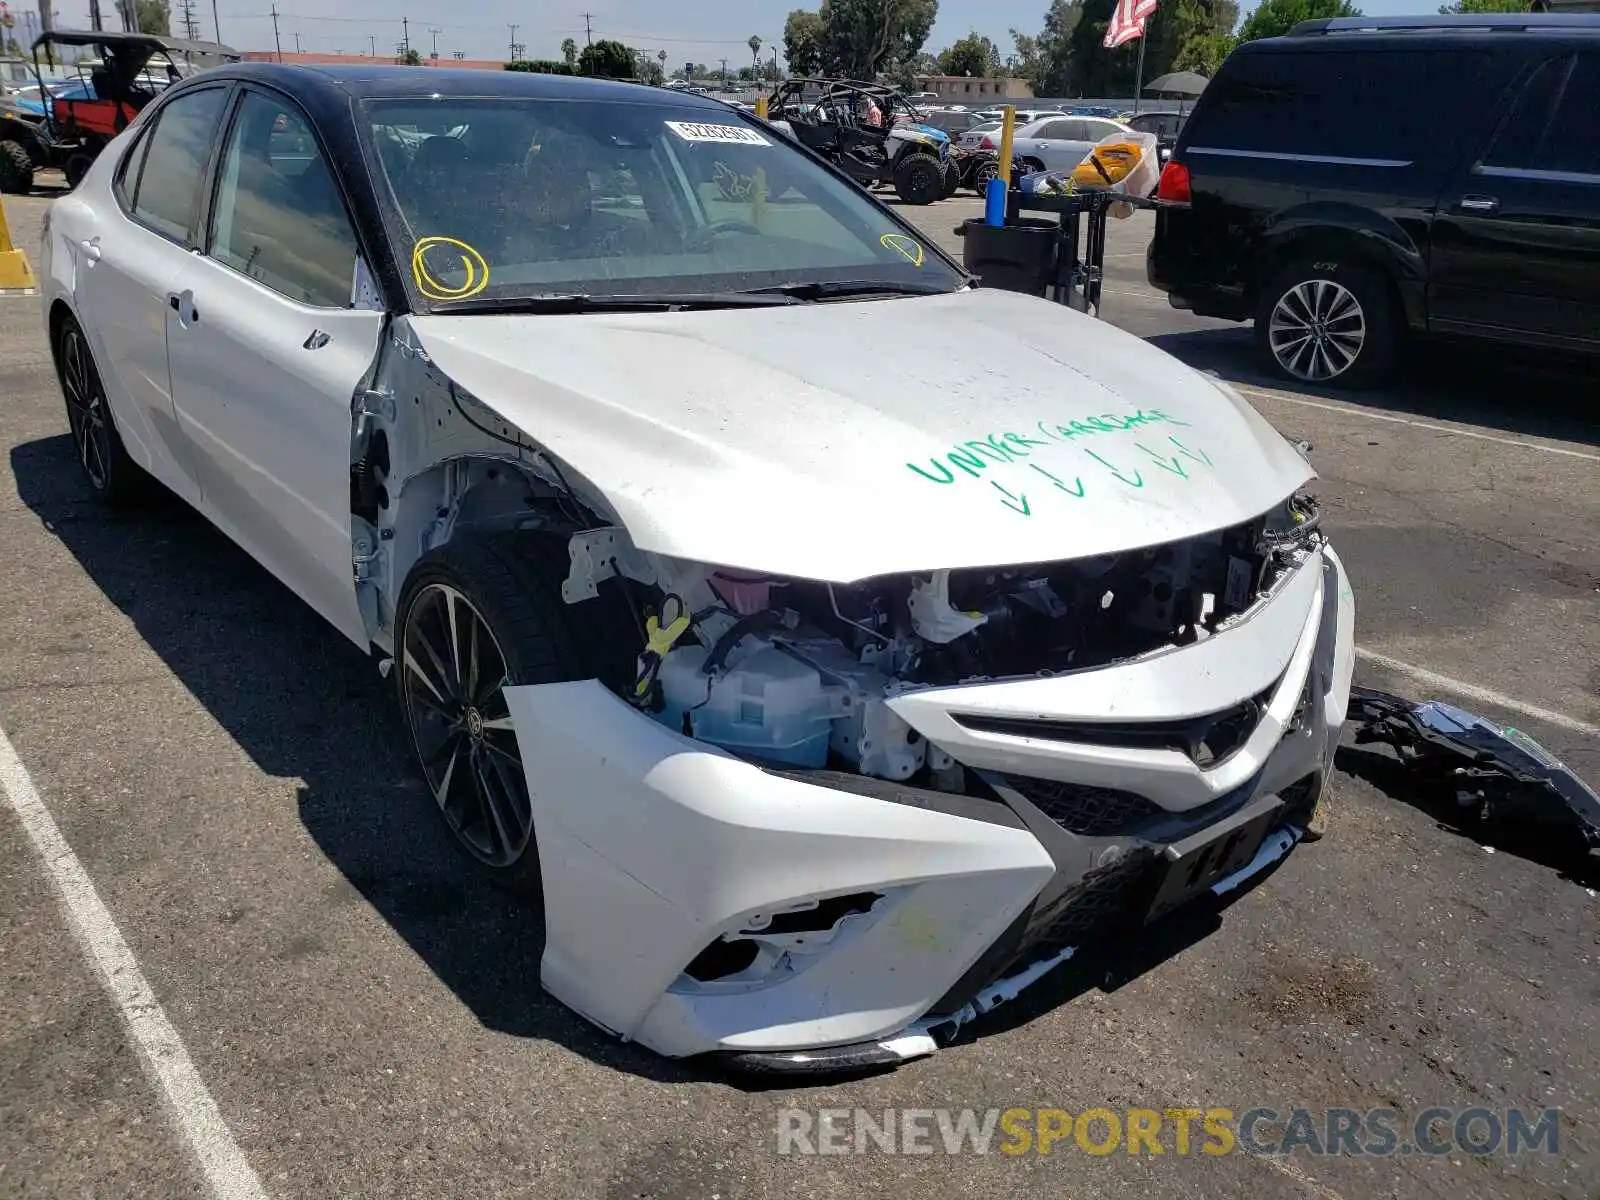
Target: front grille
1087	811
1208	741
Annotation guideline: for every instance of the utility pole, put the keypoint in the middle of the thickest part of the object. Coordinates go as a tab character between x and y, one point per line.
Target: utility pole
517	48
276	40
724	70
588	29
405	27
94	16
372	44
215	23
297	43
191	27
435	33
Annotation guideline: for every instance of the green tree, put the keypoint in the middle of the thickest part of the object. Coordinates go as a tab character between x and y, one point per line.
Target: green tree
802	42
973	55
607	59
862	38
1274	18
569	52
1045	61
1204	53
411	58
755	51
154	16
1485	6
650	72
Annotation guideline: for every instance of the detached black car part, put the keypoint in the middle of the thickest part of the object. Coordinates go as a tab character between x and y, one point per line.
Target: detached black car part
1510	779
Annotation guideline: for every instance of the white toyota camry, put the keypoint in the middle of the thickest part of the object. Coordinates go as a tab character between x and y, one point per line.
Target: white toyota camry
819	679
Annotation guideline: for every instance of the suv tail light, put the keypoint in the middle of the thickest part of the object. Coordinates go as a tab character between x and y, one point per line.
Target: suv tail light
1174	183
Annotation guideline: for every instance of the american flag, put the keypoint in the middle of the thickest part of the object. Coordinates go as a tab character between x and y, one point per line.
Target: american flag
1127	22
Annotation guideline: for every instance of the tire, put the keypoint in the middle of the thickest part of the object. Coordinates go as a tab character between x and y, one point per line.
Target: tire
1328	323
76	168
509	587
982	173
1032	166
113	476
16	169
918	178
952	179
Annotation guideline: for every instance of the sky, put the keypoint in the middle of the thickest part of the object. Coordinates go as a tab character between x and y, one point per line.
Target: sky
704	31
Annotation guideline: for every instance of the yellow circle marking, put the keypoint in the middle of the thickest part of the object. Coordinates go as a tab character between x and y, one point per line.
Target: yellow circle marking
430	286
907	248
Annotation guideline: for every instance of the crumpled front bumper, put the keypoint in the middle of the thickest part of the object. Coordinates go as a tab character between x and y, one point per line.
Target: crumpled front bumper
874	911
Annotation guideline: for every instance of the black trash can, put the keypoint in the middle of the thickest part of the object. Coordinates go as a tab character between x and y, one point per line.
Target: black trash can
1016	257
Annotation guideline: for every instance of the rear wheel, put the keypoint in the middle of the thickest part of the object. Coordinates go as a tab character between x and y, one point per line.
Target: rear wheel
477	616
982	173
16	169
918	178
952	179
114	477
1328	323
76	168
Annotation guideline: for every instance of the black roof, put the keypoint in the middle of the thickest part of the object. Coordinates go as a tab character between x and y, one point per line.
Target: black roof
1452	23
374	81
116	38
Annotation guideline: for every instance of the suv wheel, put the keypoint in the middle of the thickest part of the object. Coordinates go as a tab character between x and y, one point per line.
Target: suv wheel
16	169
1328	323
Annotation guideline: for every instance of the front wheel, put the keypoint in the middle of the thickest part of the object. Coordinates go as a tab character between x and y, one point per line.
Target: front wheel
478	616
918	178
1328	323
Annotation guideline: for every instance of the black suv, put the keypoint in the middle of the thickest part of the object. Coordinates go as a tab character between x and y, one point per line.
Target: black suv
1364	177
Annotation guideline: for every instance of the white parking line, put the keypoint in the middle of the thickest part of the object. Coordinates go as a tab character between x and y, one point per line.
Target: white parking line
1472	691
160	1048
1354	411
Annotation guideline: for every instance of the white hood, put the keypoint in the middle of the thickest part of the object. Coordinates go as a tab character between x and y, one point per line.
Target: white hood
839	441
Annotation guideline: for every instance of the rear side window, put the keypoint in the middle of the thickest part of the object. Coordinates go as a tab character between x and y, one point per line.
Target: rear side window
1554	124
169	183
1376	105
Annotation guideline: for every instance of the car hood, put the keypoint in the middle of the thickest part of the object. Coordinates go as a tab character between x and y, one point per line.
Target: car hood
839	441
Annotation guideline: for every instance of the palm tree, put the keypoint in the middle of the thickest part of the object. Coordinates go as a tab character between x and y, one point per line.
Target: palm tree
569	51
755	53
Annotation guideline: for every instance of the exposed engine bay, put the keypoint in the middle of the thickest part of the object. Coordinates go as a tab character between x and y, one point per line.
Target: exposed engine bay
796	672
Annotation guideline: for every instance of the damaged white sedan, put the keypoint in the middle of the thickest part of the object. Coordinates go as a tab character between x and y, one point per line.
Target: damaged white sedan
821	678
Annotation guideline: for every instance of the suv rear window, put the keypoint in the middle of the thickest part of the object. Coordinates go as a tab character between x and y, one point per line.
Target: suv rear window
1381	104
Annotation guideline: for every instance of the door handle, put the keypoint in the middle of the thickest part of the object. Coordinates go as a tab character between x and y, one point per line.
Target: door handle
91	249
1485	204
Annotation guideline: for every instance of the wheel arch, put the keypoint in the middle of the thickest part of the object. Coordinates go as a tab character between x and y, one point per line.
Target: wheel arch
1348	235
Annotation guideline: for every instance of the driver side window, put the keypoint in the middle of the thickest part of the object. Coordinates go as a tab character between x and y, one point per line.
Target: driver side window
278	216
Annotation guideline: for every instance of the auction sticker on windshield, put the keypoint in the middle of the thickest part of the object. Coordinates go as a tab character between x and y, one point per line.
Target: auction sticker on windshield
691	132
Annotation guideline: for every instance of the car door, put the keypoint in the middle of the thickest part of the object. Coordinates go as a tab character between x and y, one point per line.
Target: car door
1060	144
1515	247
126	265
268	347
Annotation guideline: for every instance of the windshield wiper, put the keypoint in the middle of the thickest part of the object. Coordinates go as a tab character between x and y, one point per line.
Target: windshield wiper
831	289
579	303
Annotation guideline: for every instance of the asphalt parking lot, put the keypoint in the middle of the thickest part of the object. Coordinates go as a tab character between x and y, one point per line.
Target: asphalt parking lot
364	1013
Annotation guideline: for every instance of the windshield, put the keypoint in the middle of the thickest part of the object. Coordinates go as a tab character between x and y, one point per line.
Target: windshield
528	198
